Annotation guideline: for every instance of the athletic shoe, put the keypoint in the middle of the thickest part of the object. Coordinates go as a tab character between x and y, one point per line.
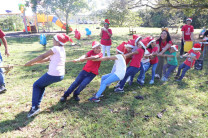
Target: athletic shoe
76	98
130	82
178	80
163	78
93	99
118	90
117	85
2	89
63	99
157	76
34	110
151	82
176	77
181	56
140	82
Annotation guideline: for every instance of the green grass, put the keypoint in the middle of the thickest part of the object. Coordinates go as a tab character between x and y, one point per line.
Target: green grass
117	115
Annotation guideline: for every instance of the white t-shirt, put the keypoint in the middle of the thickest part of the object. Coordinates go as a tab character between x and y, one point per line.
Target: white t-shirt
120	66
145	60
57	63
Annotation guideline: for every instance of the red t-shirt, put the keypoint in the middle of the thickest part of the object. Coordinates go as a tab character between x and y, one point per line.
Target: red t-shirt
92	66
106	39
188	29
122	49
1	34
136	59
153	60
188	61
163	44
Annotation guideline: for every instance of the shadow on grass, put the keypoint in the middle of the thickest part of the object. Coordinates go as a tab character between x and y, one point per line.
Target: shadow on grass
17	123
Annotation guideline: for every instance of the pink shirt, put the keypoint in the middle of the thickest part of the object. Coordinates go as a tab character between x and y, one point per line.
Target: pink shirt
57	63
92	66
190	62
106	39
136	59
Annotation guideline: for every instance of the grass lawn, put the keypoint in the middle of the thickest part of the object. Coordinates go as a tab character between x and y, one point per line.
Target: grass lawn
117	115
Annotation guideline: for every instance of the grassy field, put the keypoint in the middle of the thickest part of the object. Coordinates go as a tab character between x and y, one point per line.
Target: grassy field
117	115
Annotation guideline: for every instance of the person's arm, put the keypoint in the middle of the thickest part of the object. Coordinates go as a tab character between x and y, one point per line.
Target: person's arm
165	55
186	55
131	54
183	36
101	33
44	60
165	49
110	34
5	45
106	58
192	36
85	58
39	58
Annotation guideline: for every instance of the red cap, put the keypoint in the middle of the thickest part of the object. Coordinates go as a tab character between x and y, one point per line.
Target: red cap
137	38
197	46
146	42
61	38
175	47
95	44
107	21
130	43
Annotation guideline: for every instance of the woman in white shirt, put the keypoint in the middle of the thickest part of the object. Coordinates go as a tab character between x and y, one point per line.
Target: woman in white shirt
117	75
57	57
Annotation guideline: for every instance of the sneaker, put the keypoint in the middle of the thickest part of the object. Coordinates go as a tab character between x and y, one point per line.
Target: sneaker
63	99
118	90
163	78
130	82
181	56
178	80
2	89
157	76
93	99
34	110
76	98
140	82
128	79
151	82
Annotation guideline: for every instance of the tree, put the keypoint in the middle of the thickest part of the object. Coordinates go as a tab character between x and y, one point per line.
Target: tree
65	8
173	4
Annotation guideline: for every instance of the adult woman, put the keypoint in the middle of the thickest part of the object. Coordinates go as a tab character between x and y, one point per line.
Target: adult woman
105	35
163	44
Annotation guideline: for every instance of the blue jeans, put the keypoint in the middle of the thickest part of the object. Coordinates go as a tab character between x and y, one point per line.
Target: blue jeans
185	69
2	83
141	69
39	87
82	80
131	71
154	66
146	66
105	81
168	69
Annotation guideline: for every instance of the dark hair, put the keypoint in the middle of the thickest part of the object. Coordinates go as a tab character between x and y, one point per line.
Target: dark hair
206	33
168	37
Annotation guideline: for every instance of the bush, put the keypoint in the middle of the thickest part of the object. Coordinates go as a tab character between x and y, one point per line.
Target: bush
7	23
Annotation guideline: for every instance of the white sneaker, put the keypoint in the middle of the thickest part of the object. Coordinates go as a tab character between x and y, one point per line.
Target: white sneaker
181	56
151	82
157	76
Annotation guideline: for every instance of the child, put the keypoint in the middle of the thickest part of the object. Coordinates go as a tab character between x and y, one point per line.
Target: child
105	35
187	34
135	64
146	62
120	70
87	74
57	56
192	56
2	83
172	62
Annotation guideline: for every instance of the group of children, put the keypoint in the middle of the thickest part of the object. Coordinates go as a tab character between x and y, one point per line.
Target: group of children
140	53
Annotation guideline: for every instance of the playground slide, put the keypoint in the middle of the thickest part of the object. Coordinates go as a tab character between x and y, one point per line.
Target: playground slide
43	18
